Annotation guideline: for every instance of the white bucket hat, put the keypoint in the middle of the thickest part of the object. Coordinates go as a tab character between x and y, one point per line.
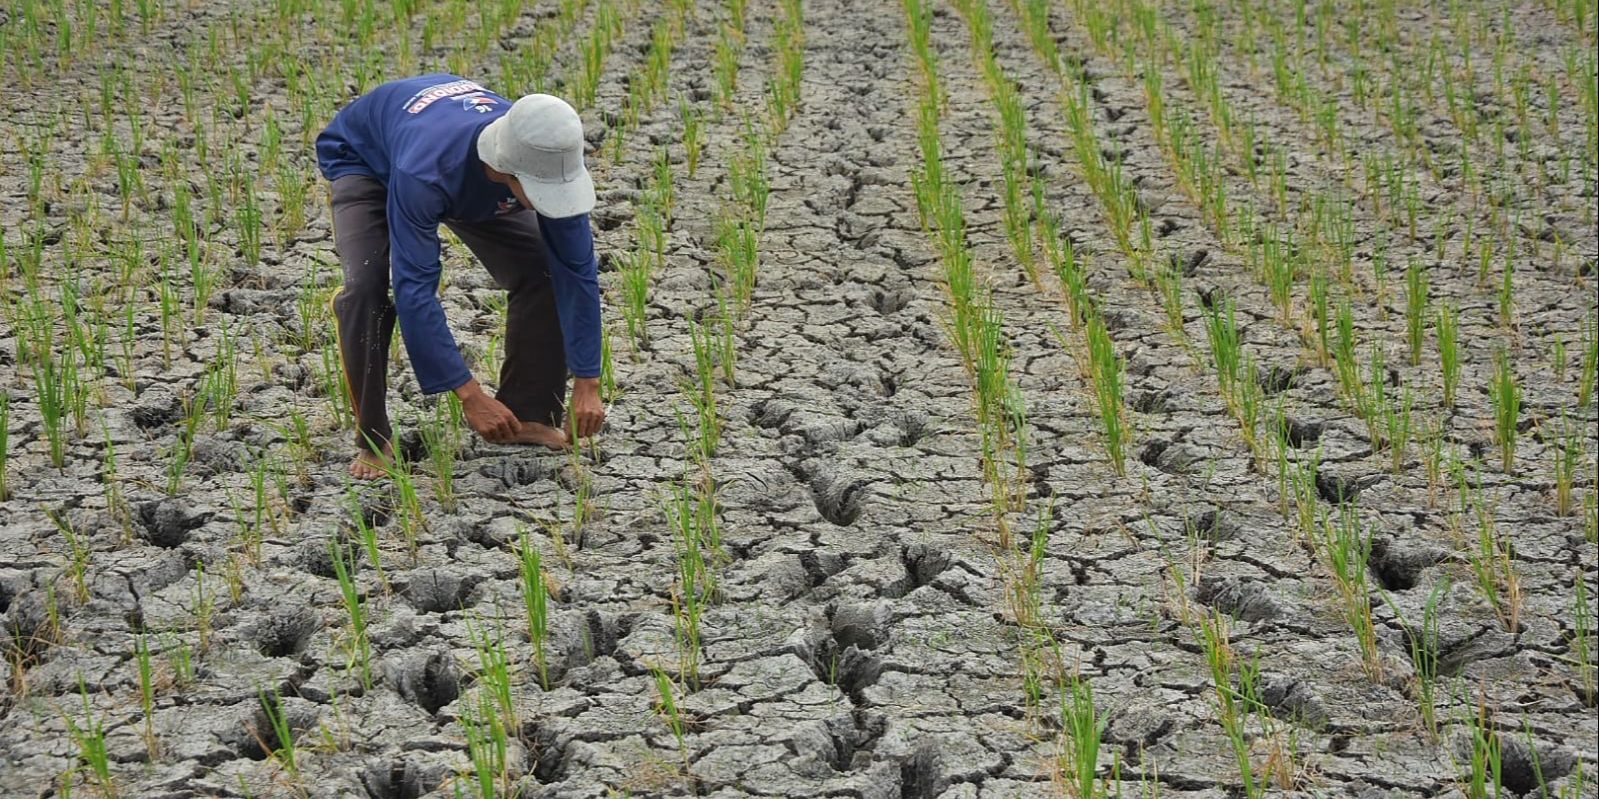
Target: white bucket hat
540	141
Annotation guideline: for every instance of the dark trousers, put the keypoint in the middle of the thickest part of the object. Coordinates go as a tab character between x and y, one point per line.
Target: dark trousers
533	375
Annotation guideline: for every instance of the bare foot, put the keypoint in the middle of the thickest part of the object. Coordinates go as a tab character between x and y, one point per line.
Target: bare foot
371	465
541	434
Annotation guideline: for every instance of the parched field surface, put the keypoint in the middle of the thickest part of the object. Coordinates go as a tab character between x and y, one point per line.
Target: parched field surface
1020	399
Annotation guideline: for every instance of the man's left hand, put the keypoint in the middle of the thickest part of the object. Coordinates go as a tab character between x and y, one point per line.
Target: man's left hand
587	413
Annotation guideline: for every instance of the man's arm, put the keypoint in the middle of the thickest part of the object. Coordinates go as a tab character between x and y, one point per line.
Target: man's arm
574	276
414	210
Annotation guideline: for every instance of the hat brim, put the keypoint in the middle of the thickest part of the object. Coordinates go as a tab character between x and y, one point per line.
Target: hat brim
488	144
560	200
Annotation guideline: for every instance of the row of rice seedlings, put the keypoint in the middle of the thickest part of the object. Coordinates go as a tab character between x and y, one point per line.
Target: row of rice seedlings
528	65
608	27
47	36
730	44
1010	136
1242	138
638	267
976	328
783	89
648	84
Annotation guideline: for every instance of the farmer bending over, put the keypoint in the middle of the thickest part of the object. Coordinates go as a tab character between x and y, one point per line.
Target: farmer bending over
509	180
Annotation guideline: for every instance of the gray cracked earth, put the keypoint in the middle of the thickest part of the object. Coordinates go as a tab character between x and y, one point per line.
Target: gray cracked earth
862	647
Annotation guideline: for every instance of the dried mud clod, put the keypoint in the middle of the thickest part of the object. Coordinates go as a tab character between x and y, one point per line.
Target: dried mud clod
168	522
284	632
429	680
1248	600
437	590
401	778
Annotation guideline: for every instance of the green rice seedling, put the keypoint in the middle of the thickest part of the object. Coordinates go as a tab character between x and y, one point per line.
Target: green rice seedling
737	240
493	673
145	674
1347	549
1568	458
662	187
442	439
1486	777
1582	645
691	515
282	747
1424	649
693	135
1226	347
1214	638
359	646
1590	362
635	297
1346	363
1248	403
1170	283
368	537
90	742
727	342
1396	420
411	518
1081	730
1431	443
1447	329
724	64
1507	295
1107	371
5	445
1504	393
1493	565
180	658
181	451
1415	310
609	389
488	748
1558	357
667	706
535	597
78	554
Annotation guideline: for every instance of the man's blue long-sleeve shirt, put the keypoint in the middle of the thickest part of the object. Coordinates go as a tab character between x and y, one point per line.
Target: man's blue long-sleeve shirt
418	136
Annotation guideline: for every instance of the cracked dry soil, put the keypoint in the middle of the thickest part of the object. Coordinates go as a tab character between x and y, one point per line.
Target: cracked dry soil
862	646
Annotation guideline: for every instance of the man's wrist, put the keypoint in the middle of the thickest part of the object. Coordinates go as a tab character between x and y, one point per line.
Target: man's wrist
469	391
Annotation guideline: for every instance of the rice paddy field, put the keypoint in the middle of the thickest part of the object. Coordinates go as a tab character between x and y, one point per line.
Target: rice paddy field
1008	398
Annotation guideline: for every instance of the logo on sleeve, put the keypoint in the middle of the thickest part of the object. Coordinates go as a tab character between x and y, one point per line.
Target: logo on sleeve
507	205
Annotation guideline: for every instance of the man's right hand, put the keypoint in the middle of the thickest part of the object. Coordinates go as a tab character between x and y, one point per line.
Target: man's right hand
487	416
